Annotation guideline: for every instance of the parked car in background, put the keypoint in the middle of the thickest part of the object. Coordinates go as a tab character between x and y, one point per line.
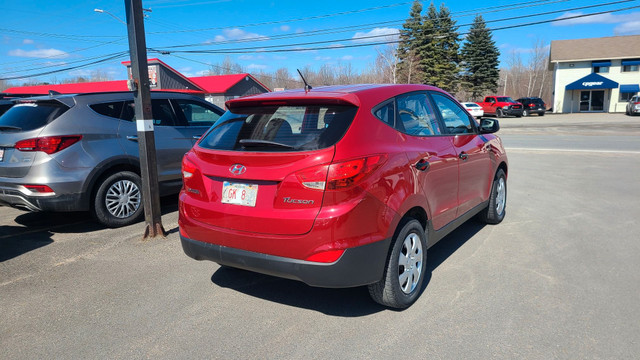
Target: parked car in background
500	106
633	106
80	152
532	105
340	186
474	109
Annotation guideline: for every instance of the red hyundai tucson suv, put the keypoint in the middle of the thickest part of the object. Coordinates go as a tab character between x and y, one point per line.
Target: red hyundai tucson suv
340	186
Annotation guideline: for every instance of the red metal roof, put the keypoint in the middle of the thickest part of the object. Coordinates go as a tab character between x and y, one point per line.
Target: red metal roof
86	87
218	84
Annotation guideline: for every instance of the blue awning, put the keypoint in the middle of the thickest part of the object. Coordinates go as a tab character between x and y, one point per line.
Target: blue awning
633	88
601	63
592	81
630	62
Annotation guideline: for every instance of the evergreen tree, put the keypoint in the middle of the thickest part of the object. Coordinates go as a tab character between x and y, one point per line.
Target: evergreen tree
440	53
410	37
480	60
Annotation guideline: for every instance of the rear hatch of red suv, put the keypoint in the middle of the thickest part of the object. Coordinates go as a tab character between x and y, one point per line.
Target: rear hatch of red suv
262	168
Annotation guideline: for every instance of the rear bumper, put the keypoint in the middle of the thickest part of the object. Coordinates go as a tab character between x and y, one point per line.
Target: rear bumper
19	198
357	266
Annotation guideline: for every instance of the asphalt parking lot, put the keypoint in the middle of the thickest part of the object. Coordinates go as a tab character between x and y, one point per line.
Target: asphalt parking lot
558	279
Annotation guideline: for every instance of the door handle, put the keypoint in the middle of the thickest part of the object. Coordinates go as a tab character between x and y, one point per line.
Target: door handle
196	137
132	138
422	165
463	156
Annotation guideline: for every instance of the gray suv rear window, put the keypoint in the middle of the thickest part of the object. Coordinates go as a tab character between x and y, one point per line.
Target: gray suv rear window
31	115
280	128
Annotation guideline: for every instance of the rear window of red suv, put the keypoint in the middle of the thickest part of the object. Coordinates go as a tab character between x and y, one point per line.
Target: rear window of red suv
280	128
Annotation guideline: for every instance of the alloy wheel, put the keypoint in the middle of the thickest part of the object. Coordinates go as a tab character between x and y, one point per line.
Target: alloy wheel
123	199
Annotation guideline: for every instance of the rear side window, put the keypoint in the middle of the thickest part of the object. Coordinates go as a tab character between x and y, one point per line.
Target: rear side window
280	128
416	117
113	109
161	111
31	115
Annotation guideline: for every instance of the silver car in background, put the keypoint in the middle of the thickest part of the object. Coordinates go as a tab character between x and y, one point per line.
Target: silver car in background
80	152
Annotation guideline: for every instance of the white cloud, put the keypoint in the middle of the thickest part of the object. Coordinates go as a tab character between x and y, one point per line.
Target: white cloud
256	67
40	53
279	57
239	34
322	58
631	27
347	58
27	41
285	28
596	19
336	46
80	72
381	34
251	57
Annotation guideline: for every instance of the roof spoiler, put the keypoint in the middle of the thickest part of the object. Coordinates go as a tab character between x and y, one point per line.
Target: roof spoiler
52	93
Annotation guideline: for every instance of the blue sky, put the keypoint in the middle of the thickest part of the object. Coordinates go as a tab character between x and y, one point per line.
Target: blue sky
39	36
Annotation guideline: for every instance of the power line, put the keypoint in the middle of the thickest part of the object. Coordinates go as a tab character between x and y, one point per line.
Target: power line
285	47
118	55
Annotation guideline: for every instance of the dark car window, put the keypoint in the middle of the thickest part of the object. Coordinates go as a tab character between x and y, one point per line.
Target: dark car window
31	115
416	116
196	114
113	109
280	128
5	107
455	118
161	109
386	113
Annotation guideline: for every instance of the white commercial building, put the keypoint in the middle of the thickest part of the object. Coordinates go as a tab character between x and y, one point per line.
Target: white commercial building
595	75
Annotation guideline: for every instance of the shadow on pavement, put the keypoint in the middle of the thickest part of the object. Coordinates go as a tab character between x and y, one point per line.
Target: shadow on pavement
14	246
34	229
351	302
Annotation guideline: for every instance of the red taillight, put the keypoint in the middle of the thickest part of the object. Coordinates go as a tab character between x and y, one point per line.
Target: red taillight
326	256
191	178
188	168
340	175
532	105
39	188
48	144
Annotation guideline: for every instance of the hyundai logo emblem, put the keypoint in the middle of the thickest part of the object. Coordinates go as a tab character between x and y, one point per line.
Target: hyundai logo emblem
237	169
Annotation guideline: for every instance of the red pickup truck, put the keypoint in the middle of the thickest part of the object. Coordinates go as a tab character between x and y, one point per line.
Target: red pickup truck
500	106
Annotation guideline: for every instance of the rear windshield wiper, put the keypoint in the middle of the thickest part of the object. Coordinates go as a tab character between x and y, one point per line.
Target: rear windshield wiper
247	143
9	127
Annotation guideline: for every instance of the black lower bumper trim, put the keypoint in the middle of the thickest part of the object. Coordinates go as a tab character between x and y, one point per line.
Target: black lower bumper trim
357	266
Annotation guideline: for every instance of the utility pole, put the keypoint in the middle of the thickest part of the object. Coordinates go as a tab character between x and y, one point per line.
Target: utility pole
144	119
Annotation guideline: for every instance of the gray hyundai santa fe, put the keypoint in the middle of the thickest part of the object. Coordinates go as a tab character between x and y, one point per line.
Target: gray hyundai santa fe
80	152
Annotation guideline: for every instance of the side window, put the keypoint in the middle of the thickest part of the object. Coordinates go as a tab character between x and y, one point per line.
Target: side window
161	109
416	116
113	109
455	118
386	113
162	113
197	114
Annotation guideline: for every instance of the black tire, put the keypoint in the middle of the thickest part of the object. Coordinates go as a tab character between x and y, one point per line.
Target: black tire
118	200
389	291
499	113
525	113
495	211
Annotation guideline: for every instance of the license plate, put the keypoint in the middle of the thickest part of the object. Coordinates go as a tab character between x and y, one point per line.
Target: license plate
239	194
1	154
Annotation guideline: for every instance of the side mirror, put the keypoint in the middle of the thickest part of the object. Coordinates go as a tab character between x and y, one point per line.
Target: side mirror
489	126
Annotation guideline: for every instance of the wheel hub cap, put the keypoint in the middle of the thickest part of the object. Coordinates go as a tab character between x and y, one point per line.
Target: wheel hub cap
410	263
501	196
123	199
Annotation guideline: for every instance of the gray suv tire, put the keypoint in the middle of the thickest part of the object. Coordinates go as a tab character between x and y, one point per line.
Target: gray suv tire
118	200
